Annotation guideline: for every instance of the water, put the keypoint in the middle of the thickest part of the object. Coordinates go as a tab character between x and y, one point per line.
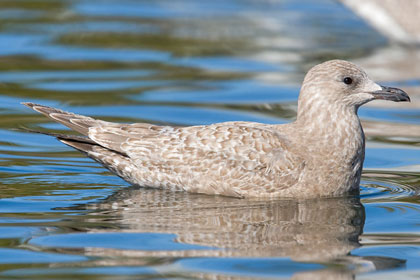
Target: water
194	62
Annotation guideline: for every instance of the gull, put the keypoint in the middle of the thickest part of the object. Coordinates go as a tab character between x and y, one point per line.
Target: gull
321	153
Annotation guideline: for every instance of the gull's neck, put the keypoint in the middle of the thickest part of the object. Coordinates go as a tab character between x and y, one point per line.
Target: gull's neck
333	130
335	140
326	121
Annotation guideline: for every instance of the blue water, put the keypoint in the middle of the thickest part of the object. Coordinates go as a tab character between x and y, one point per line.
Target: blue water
185	62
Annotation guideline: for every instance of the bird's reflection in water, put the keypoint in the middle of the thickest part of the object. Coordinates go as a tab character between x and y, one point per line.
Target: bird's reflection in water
317	231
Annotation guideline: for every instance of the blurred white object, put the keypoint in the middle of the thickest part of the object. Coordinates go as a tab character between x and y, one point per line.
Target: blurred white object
396	19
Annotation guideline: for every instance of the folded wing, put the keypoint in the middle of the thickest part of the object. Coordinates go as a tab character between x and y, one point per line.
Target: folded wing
235	158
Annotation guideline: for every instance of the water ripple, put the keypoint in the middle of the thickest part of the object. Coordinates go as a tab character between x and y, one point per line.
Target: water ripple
390	187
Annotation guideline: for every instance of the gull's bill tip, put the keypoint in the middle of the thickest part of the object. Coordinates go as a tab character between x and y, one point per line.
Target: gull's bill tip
390	93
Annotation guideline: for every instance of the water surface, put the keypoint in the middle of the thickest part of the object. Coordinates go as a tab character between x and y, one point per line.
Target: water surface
185	63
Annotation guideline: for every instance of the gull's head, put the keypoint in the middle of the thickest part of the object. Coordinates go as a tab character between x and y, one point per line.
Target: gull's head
342	83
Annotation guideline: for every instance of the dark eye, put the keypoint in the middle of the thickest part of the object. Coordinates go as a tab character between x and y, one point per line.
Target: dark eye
348	80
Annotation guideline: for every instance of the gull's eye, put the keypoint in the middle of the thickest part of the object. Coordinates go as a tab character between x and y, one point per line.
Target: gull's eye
348	80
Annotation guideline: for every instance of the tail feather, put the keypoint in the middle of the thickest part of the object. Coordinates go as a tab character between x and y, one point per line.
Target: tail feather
84	147
73	121
60	136
108	138
106	153
114	161
70	122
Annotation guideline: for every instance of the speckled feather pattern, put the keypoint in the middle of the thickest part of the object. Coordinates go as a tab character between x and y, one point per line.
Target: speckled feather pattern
320	154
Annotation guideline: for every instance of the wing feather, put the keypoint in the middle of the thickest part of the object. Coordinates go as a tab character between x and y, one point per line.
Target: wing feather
233	158
226	152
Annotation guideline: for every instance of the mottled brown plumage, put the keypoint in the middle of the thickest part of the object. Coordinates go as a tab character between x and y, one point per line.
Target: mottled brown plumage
320	154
